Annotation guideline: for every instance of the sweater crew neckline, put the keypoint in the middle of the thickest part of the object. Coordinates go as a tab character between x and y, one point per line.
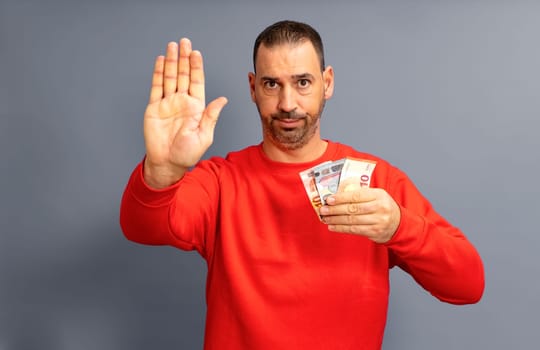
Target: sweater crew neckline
271	165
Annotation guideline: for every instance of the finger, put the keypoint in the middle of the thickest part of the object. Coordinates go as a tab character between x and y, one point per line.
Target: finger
362	230
364	194
196	83
183	65
156	91
171	69
358	229
348	220
211	116
372	231
357	208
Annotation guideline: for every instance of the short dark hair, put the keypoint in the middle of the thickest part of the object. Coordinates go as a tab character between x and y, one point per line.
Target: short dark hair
289	32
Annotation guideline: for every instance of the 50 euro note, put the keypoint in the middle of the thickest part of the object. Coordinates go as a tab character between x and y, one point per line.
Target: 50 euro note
308	179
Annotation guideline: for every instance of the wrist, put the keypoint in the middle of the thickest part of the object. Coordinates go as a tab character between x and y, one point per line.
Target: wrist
161	176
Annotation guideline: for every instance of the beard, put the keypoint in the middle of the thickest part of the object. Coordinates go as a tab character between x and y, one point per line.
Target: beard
292	138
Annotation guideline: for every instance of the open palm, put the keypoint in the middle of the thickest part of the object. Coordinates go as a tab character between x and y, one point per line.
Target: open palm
178	126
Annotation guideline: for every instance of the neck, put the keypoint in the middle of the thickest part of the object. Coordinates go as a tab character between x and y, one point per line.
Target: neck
311	151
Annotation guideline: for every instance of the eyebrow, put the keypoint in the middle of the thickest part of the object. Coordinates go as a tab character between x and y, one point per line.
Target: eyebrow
293	77
303	76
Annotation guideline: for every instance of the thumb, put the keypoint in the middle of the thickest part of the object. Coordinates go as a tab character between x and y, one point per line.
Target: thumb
211	116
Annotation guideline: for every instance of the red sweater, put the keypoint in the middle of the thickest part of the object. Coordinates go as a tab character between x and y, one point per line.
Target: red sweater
277	278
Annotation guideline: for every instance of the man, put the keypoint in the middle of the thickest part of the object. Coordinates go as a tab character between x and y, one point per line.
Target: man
281	275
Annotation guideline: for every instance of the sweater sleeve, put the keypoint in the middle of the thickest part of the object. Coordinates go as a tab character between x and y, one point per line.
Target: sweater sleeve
182	215
436	254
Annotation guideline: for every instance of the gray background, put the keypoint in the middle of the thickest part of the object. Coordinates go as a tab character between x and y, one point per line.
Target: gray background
446	90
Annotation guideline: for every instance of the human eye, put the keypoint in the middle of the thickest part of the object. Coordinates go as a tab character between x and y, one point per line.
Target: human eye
304	83
270	84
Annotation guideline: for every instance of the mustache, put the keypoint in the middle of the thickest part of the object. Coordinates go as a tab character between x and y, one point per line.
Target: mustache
288	115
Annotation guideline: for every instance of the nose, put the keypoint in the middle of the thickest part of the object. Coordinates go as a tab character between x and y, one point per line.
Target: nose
287	100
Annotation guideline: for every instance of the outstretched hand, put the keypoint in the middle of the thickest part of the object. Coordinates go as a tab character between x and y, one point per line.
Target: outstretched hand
370	212
178	125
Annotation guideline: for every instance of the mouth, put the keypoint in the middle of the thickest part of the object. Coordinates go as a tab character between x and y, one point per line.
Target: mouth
289	122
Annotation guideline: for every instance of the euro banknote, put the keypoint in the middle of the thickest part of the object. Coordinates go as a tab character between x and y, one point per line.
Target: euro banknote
330	177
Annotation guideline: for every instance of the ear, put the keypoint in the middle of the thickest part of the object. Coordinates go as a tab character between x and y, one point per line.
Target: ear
328	81
252	78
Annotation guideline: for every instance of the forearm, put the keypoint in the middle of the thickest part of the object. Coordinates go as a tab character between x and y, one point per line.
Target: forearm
144	212
439	257
182	215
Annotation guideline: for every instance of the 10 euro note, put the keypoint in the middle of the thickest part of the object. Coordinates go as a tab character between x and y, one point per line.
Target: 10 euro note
356	173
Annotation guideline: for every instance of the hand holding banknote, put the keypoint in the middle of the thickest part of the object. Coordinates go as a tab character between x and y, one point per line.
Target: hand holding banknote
370	212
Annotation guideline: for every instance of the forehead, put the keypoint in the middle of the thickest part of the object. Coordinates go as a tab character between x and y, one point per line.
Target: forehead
286	59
